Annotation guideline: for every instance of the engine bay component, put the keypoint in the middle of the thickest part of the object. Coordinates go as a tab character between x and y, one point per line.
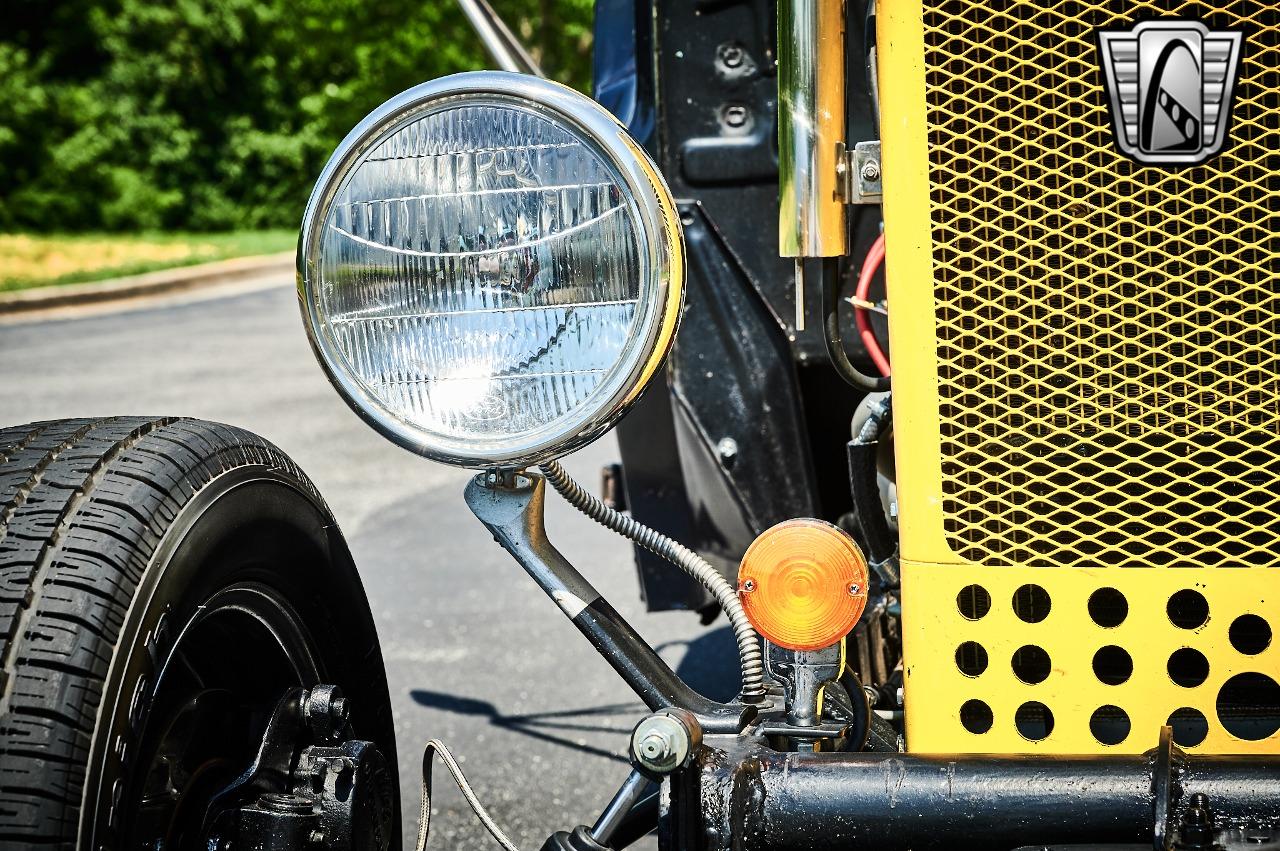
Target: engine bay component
490	269
803	584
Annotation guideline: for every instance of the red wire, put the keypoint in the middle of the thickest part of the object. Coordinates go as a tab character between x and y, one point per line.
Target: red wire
875	256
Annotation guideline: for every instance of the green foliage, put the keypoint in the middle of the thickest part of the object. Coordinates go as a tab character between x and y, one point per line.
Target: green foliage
218	114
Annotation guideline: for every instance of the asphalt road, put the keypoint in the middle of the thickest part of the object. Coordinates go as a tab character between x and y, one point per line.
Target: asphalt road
476	655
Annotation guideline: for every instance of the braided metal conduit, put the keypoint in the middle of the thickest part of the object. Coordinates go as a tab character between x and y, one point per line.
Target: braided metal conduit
683	558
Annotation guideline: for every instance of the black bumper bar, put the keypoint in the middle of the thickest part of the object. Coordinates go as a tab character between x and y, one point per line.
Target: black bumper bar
763	799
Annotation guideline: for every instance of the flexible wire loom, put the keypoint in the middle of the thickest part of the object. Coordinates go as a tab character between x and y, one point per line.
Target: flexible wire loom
682	557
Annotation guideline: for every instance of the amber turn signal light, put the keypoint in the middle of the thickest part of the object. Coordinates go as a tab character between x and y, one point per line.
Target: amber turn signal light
803	584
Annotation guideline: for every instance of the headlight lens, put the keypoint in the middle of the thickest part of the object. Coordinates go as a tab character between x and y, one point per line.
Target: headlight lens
490	269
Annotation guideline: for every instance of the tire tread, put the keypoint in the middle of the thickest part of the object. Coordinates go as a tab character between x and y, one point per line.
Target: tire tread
83	506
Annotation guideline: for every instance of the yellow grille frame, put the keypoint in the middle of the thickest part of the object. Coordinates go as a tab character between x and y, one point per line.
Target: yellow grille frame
962	524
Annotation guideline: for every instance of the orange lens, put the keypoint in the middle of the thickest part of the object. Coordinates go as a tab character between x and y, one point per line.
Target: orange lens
803	584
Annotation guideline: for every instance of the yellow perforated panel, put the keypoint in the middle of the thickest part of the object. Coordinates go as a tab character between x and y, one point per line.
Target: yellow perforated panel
980	686
1086	385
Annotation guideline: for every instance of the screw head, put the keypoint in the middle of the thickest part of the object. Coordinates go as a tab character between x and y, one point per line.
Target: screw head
749	586
727	449
871	171
732	55
735	115
854	589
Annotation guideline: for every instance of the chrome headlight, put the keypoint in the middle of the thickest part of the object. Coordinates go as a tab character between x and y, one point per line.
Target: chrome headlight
490	269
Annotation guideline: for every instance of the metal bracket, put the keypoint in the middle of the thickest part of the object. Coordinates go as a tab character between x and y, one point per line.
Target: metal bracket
858	169
1167	767
804	672
513	512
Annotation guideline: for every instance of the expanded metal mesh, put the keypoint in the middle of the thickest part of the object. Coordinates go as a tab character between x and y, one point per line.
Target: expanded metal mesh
1108	332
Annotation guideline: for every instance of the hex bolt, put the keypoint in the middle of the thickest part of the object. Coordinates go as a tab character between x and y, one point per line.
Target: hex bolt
871	171
1196	829
657	747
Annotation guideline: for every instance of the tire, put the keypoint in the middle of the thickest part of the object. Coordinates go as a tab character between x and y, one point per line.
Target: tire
162	582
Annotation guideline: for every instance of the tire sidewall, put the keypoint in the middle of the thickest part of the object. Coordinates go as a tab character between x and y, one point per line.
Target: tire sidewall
323	593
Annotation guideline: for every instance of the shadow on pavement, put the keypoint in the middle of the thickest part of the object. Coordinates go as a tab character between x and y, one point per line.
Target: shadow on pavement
536	725
709	666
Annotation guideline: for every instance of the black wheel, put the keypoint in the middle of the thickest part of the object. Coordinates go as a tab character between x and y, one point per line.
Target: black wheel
162	583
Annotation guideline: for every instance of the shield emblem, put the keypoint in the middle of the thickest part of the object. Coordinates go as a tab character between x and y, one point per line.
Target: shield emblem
1170	84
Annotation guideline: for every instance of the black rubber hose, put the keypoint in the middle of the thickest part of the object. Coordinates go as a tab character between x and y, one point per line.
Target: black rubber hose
830	274
871	420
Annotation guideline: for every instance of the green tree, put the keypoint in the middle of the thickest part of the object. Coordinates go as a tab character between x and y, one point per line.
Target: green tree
218	114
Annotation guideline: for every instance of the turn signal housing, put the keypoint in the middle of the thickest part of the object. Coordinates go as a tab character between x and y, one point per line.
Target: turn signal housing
803	584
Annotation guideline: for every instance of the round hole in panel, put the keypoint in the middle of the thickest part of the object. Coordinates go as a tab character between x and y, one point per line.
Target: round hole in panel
1250	634
1108	607
974	602
1110	724
1188	609
1033	720
971	658
1112	665
1249	706
1188	667
1031	603
976	716
1190	727
1031	664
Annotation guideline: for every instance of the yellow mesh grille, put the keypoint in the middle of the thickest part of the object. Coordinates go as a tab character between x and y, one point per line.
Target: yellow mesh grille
1109	332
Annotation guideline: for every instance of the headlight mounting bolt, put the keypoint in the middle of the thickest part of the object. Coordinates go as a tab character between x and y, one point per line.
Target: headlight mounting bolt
665	741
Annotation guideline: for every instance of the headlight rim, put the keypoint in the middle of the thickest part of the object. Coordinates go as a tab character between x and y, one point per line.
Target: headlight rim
662	242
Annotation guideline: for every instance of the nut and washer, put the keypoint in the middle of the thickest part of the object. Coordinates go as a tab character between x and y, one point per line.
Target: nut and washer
665	741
